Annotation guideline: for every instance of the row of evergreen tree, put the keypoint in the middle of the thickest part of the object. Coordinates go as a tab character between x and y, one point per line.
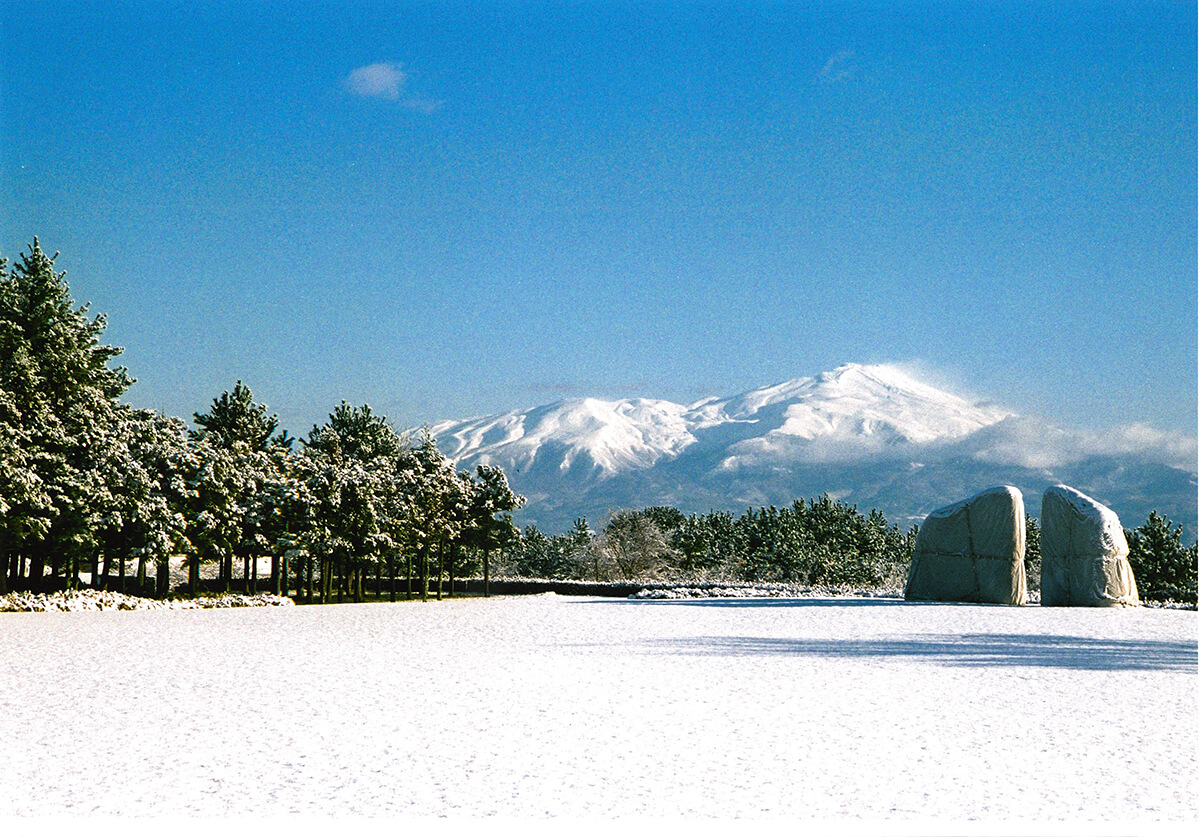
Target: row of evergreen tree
818	542
91	485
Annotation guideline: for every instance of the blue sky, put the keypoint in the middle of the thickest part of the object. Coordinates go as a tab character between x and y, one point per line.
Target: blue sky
449	209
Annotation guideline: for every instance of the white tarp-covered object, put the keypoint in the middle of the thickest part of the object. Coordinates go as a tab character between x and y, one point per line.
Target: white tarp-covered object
1085	559
972	551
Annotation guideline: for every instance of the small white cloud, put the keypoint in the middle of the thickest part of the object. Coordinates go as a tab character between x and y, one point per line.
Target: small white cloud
839	68
378	81
422	105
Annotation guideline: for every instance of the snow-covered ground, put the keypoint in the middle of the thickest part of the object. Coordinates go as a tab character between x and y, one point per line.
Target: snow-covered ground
541	706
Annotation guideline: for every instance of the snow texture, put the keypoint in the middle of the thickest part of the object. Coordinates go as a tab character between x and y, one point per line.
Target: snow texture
854	710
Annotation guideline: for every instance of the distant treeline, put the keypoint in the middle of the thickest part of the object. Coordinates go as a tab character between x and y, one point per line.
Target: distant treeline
90	486
818	542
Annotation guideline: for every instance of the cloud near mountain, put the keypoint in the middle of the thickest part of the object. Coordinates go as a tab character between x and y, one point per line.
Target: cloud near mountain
1032	443
874	435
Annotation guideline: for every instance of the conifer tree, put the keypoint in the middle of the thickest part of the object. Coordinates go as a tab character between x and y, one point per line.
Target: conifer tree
1162	566
490	496
350	466
239	456
58	412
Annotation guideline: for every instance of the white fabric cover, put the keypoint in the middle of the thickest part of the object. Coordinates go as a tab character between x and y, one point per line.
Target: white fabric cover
1085	559
972	551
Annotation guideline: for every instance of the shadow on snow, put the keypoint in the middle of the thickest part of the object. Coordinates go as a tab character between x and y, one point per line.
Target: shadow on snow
1033	650
1071	652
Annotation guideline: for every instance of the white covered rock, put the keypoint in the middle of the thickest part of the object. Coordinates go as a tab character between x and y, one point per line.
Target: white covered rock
972	551
1085	559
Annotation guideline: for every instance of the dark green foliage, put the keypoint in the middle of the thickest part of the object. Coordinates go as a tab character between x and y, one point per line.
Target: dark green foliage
705	543
235	418
542	556
61	426
819	542
1033	553
1162	566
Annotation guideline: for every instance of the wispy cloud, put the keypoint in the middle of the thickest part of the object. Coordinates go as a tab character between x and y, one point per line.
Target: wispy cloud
378	81
840	68
1032	443
386	80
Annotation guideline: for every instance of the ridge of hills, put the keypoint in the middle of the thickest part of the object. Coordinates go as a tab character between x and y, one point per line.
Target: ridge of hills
874	436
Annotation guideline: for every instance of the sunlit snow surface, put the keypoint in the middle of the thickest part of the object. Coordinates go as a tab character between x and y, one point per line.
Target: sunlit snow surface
555	706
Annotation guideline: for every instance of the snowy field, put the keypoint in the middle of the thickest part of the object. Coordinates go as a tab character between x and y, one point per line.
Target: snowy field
864	710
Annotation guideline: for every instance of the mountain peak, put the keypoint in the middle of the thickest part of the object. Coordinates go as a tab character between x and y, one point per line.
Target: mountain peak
872	433
852	406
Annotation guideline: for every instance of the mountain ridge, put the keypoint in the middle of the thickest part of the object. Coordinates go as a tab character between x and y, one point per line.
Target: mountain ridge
873	435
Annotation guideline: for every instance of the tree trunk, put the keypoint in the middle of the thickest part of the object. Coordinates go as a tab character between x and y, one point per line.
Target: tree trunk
162	580
450	571
392	574
96	568
408	579
425	575
37	567
254	574
194	573
379	579
141	575
121	581
279	569
441	568
486	592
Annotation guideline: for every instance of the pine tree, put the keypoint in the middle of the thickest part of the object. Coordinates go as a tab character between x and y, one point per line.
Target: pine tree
239	457
350	465
58	420
490	495
1162	566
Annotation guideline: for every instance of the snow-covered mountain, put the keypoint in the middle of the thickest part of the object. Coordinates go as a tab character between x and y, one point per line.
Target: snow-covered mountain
872	435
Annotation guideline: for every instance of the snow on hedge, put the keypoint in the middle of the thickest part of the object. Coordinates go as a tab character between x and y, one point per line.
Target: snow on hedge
76	600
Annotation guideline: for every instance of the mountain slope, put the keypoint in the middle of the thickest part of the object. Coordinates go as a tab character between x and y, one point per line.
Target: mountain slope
871	435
